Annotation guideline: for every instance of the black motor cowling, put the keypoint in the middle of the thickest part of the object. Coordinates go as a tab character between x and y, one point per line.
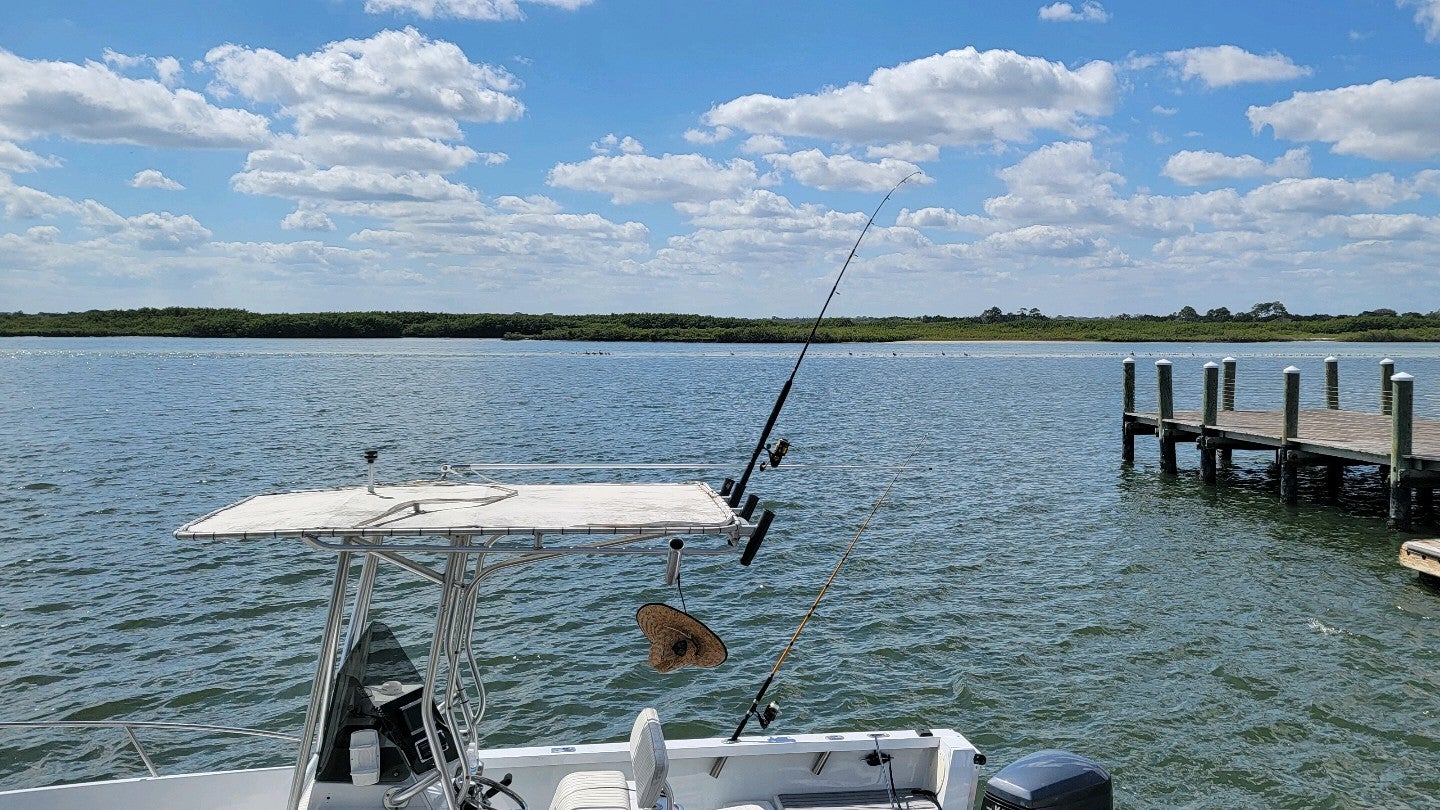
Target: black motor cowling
1050	779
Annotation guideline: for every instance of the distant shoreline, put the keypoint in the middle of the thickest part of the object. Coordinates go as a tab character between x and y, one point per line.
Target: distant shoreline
993	325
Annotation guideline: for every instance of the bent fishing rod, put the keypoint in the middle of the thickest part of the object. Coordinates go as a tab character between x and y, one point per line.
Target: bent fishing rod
738	491
772	710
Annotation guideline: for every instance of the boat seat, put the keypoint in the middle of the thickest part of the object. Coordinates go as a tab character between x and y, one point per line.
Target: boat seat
609	790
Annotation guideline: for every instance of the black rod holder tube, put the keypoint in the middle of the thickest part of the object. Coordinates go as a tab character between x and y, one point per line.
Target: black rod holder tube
752	547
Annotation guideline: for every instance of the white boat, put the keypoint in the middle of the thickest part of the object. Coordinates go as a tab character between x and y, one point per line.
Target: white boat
367	742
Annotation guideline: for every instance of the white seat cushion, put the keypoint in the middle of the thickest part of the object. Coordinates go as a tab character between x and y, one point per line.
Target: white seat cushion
593	790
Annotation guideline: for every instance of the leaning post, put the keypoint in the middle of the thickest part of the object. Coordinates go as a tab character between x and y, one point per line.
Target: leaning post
1401	436
1387	370
1289	481
1209	394
1165	383
1127	448
1227	398
1332	383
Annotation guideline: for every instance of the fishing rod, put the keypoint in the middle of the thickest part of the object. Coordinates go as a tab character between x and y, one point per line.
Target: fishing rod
772	710
738	491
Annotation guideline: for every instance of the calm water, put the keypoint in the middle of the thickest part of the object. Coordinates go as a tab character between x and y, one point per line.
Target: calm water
1213	647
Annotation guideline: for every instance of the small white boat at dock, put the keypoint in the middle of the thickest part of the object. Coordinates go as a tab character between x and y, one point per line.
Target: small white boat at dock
369	742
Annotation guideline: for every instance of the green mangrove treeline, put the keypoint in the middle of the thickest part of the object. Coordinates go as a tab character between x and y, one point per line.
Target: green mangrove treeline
1265	321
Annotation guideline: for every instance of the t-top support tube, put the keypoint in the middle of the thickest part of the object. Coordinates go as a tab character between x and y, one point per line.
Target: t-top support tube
324	676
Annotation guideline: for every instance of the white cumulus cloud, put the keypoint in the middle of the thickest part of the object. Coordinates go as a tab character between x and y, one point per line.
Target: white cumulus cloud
91	102
708	136
955	98
306	218
916	152
396	83
1427	16
1197	167
349	183
15	159
1225	65
762	145
167	68
1089	11
1386	120
831	172
485	10
153	178
631	178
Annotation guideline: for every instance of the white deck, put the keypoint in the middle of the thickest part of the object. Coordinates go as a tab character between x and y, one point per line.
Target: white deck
453	508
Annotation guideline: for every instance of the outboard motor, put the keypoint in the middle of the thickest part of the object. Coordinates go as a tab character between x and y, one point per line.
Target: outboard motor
1050	779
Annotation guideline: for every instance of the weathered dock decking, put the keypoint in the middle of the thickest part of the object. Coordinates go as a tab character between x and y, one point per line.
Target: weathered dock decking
1406	449
1360	438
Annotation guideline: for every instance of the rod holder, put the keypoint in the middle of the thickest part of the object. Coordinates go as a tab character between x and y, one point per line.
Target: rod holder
751	501
752	547
370	456
672	561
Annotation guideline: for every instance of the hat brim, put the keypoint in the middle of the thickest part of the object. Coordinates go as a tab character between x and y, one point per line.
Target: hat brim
678	639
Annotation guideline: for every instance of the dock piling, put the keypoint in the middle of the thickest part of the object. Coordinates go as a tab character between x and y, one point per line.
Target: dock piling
1210	399
1289	480
1387	370
1227	398
1127	434
1332	383
1164	381
1334	471
1406	449
1401	439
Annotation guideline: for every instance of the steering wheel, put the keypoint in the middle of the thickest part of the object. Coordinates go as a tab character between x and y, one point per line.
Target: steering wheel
488	788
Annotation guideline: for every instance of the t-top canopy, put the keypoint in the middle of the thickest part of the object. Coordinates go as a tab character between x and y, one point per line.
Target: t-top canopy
464	508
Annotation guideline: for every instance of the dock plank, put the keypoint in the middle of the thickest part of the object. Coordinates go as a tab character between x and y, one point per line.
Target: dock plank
1349	434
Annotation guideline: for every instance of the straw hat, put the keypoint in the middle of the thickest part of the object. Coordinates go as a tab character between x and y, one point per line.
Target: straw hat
678	639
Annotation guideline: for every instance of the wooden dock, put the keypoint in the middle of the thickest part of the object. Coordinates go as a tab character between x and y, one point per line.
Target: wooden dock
1407	450
1422	556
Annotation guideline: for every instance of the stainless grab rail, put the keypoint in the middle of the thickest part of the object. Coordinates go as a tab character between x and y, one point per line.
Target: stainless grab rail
129	726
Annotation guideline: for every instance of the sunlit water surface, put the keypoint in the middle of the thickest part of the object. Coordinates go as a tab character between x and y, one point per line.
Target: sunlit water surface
1020	585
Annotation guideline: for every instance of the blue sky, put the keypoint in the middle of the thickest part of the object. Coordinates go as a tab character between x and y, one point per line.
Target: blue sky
578	156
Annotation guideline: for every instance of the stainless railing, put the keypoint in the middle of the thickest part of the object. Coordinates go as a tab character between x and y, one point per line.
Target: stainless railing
129	726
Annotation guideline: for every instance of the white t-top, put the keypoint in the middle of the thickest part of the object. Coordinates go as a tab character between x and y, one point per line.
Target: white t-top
433	508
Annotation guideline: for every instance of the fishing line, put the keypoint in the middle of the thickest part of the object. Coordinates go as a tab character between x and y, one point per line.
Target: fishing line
760	695
739	490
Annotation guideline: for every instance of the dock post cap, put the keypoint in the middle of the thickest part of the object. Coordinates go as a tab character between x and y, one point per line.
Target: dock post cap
1332	359
1228	360
1292	370
1387	361
1163	363
1128	360
1212	364
1401	377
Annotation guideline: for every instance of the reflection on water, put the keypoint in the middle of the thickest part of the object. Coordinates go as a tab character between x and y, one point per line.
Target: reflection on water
1021	585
